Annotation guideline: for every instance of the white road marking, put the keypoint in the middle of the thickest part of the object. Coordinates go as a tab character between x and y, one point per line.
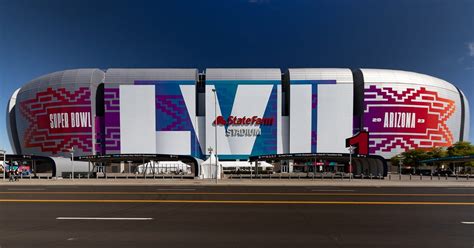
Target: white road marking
468	222
26	189
62	187
100	218
176	189
333	190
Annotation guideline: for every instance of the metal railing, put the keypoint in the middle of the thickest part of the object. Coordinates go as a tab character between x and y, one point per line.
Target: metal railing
278	176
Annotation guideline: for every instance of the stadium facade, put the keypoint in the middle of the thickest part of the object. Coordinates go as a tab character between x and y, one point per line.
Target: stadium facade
252	111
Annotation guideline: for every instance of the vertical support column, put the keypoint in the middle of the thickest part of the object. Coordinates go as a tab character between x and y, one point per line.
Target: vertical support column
256	168
34	167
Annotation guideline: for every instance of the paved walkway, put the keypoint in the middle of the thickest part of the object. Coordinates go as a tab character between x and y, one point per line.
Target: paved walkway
394	182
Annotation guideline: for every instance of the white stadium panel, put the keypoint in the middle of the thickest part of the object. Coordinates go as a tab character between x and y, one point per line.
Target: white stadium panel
321	109
137	119
339	74
404	77
243	74
334	117
300	119
173	142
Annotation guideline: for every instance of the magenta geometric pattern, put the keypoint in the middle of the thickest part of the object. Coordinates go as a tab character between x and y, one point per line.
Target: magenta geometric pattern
40	134
429	113
112	120
172	113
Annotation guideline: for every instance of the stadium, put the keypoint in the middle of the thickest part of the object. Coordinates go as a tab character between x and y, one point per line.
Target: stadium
286	118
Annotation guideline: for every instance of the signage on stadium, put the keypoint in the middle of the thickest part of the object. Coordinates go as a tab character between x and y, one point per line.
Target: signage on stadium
406	119
243	121
235	121
399	120
67	120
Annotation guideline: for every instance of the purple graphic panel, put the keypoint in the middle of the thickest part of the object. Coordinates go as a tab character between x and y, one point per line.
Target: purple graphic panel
112	120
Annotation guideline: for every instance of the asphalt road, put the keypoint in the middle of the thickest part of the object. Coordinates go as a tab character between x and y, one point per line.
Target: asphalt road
234	216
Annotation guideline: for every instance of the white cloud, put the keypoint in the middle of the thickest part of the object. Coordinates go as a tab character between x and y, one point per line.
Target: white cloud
470	45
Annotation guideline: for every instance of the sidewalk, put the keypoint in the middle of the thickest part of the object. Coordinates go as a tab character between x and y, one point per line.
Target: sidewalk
395	182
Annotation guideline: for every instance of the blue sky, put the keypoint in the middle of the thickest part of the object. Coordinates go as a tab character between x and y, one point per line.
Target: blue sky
42	36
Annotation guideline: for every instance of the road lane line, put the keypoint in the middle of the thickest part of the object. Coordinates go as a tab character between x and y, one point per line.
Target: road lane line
468	222
20	189
100	218
61	187
176	189
231	193
238	202
334	190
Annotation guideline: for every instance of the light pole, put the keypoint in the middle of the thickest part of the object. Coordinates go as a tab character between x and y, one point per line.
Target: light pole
4	162
210	158
351	150
215	128
72	161
129	166
400	161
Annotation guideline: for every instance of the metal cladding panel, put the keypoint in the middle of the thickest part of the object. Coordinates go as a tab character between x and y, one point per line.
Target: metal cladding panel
56	113
339	74
406	110
321	102
405	77
466	118
243	74
11	123
129	76
243	111
174	109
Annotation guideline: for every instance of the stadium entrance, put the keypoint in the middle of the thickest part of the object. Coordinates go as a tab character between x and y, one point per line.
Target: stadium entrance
335	163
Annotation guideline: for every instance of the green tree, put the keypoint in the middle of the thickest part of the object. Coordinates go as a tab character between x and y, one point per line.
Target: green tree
395	160
414	156
461	148
436	152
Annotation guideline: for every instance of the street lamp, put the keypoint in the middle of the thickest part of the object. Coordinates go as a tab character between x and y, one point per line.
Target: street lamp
72	161
215	128
351	151
4	163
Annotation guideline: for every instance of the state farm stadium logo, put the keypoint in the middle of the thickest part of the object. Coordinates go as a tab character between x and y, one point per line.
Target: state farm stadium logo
242	126
58	119
407	119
